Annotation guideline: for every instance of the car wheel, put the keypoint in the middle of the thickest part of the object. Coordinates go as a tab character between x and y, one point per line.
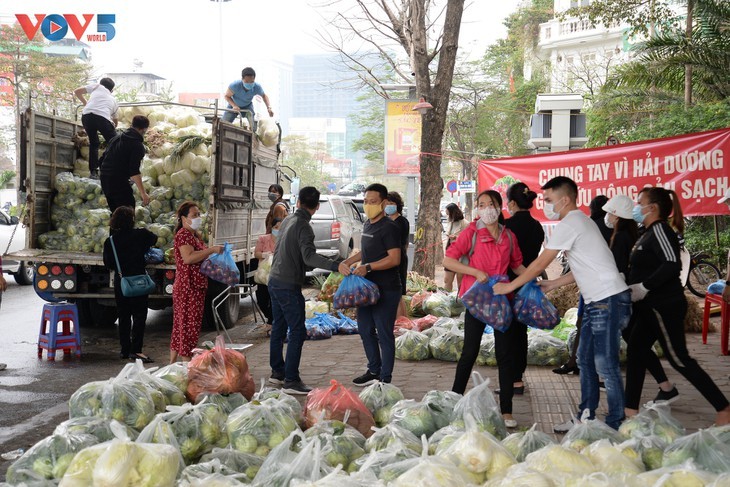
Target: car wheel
25	274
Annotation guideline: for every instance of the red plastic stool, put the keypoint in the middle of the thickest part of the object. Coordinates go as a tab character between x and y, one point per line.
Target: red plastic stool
724	320
67	315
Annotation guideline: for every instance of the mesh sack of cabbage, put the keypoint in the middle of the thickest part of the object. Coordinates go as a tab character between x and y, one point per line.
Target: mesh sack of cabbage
534	309
487	307
221	267
355	292
192	429
49	458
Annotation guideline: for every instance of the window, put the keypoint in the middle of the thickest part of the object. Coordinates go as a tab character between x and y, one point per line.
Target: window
355	213
325	209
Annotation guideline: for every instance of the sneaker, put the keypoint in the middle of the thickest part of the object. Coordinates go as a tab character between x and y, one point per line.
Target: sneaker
510	423
667	397
277	378
366	379
565	427
296	387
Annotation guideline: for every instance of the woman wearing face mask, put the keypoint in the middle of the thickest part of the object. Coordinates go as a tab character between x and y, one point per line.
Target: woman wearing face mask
457	223
495	249
530	237
393	210
264	248
659	302
188	291
279	208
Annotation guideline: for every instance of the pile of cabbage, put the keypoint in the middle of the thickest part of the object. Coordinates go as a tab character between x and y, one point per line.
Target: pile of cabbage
175	169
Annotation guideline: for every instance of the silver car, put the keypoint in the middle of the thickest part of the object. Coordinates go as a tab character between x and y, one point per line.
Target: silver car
337	226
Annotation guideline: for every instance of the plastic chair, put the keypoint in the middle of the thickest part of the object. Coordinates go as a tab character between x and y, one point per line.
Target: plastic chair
711	299
50	338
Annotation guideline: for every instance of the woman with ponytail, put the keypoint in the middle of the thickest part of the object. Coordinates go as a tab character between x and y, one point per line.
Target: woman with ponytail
659	302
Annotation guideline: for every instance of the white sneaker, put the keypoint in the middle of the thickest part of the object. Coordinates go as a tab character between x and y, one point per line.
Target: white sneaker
565	427
510	423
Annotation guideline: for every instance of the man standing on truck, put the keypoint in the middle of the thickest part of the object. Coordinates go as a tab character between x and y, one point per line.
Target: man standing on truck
239	95
120	164
293	254
99	115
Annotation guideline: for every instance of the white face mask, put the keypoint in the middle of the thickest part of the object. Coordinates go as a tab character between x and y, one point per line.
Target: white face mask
550	213
488	215
607	220
195	223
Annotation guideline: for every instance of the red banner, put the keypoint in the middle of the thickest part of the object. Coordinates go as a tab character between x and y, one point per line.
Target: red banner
692	165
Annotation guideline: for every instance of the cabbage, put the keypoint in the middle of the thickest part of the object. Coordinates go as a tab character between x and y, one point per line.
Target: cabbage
413	416
610	459
559	462
341	444
379	398
49	458
447	346
522	444
412	345
257	427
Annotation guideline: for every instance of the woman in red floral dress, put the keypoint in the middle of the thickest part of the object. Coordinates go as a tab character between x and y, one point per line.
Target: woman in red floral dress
188	292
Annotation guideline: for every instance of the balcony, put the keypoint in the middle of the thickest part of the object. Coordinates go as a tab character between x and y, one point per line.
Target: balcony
556	32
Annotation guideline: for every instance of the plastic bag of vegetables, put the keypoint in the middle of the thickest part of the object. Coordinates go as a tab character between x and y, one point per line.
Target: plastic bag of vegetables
559	463
442	405
437	304
523	476
587	431
221	267
610	459
297	457
312	307
654	419
92	425
219	370
334	402
480	403
261	276
49	458
127	401
648	449
176	373
284	400
563	329
171	394
447	346
523	443
427	470
195	429
222	466
379	399
487	355
341	444
392	435
414	416
329	287
455	304
545	349
703	448
534	309
336	478
226	402
257	427
683	475
444	437
412	345
484	305
347	326
355	292
477	453
371	464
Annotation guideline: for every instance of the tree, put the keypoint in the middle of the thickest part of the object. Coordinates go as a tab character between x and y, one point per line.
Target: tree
640	15
408	25
305	159
6	177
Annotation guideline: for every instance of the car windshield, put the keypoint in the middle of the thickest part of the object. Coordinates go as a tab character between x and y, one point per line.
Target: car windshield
325	210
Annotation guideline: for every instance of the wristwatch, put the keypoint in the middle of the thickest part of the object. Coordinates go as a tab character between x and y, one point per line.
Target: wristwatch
368	268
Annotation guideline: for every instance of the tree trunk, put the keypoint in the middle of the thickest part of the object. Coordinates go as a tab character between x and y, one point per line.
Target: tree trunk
688	67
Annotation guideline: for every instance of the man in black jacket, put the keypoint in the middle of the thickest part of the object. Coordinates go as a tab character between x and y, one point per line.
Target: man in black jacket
120	164
293	255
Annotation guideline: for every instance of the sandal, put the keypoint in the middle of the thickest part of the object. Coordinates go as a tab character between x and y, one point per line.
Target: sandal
139	356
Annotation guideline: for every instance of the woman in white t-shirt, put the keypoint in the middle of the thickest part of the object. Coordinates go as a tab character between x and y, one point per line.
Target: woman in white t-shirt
99	115
457	223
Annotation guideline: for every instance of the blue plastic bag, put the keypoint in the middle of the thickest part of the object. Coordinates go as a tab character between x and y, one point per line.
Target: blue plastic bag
534	309
355	292
318	328
328	321
348	326
484	305
154	256
716	287
221	267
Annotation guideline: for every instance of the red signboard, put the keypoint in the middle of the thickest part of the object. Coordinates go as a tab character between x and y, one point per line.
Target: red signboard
693	165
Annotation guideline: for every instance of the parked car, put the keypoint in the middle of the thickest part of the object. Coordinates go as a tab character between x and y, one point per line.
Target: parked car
337	226
22	272
359	201
352	189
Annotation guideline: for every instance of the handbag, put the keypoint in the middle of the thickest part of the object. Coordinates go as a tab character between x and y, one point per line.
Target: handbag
133	286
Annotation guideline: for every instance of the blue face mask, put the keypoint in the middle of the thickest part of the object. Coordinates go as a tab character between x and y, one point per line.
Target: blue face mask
637	214
275	232
390	209
248	86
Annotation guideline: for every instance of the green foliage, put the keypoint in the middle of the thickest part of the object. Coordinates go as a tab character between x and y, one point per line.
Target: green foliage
6	177
699	236
639	14
306	159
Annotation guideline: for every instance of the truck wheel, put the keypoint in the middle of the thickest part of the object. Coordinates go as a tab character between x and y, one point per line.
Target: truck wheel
25	274
228	311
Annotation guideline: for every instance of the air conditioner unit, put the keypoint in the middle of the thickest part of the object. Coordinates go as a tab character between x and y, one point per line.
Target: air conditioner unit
577	124
541	124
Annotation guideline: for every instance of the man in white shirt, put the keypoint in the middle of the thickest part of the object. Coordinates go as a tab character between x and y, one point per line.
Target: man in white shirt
99	115
607	297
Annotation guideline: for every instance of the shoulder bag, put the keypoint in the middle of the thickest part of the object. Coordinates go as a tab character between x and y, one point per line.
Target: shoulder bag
133	286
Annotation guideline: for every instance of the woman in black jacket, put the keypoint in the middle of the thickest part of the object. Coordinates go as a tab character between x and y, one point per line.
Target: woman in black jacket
131	245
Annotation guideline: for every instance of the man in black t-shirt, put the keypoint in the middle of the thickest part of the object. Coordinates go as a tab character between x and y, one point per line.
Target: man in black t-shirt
379	260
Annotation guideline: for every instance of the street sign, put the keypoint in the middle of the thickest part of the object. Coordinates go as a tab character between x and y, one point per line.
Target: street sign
467	186
451	186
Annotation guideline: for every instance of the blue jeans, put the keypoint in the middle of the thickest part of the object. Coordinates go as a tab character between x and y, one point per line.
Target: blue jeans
600	339
375	324
287	305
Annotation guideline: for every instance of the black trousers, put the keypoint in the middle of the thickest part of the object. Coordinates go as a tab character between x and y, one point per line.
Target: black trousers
264	301
117	194
664	321
132	320
93	124
510	348
473	331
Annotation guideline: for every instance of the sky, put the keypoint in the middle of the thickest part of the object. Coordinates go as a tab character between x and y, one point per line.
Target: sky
180	40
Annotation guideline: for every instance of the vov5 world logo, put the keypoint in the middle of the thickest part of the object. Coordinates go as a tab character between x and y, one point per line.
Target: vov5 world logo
55	27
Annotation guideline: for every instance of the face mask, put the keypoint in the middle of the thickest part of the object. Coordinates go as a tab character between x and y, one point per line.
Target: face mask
248	86
275	232
488	215
372	211
637	214
390	209
195	223
550	213
607	221
273	196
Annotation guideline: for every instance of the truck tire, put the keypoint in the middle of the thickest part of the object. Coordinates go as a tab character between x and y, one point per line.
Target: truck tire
228	311
25	274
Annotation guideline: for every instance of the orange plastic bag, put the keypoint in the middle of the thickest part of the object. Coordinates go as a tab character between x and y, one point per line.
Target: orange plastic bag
219	371
334	403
